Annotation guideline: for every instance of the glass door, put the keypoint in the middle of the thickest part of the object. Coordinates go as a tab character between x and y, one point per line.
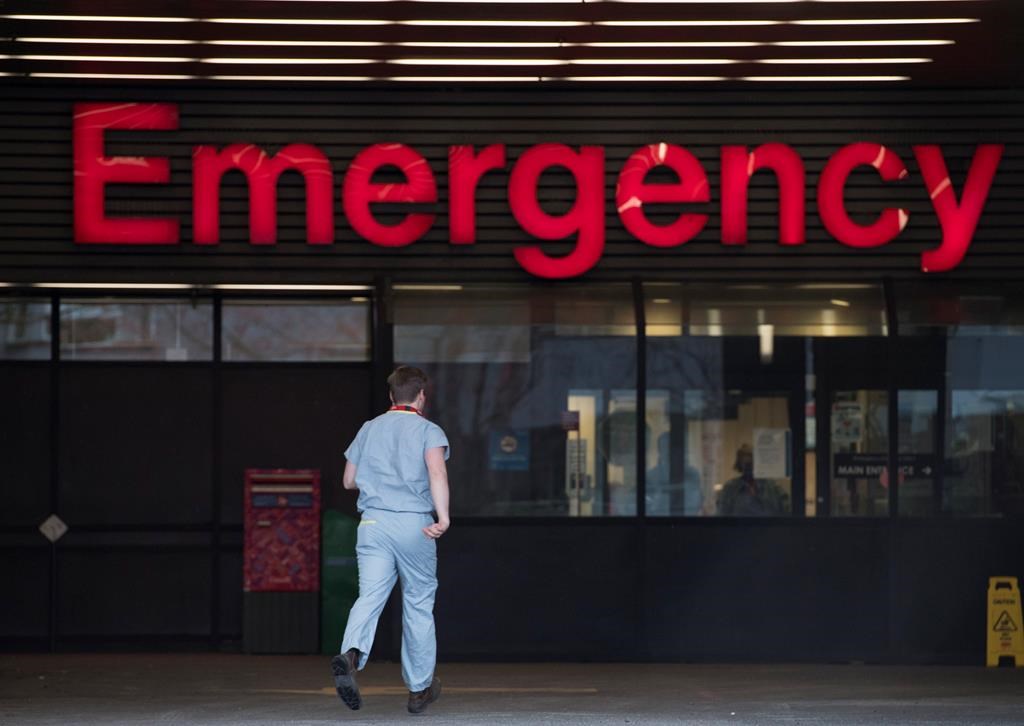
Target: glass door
866	396
859	453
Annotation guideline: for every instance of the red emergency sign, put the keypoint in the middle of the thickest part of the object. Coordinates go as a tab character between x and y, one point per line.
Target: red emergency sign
957	212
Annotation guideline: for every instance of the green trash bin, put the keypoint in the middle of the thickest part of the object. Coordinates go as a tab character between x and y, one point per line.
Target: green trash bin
339	576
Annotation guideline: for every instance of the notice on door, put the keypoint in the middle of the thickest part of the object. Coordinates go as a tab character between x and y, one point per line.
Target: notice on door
771	453
847	422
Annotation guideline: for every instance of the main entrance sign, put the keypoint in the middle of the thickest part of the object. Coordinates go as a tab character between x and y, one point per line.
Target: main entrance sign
957	214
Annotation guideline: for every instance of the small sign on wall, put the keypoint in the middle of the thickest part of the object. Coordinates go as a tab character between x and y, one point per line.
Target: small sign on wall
510	450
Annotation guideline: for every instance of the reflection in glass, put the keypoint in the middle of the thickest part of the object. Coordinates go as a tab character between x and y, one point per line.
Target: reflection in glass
136	329
280	330
963	308
984	473
24	329
860	451
764	311
536	390
918	418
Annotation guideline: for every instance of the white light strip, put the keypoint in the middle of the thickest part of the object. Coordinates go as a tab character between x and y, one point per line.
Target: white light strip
840	61
686	23
432	288
888	21
495	23
669	44
288	61
461	79
295	21
855	43
108	41
292	78
653	61
480	44
310	43
715	2
130	76
848	2
313	288
106	58
114	285
183	286
485	2
476	62
101	18
639	78
841	79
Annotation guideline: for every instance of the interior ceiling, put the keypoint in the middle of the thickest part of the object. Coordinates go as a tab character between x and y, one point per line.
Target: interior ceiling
927	42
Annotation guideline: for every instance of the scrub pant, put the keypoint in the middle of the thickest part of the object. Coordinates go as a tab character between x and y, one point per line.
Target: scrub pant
392	545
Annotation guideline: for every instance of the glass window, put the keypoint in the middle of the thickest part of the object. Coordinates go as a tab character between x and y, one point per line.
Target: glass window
960	309
765	310
24	329
536	390
984	472
727	365
136	329
983	330
728	455
306	330
918	434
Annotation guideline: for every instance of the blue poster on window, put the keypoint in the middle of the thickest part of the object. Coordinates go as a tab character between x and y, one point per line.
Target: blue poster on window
510	450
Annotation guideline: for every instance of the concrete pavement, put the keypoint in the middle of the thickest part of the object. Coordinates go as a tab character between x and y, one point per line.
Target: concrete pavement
239	689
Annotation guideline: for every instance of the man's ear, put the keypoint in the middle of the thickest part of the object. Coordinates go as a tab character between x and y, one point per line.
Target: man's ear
392	397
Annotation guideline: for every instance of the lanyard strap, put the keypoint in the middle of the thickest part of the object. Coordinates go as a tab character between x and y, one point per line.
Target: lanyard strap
406	409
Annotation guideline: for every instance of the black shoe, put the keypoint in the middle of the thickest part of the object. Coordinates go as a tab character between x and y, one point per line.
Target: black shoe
344	667
419	700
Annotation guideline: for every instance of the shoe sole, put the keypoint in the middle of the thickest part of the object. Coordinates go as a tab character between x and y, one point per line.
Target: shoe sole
437	695
345	683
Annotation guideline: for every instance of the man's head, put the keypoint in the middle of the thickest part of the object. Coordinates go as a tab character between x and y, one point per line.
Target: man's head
744	460
408	386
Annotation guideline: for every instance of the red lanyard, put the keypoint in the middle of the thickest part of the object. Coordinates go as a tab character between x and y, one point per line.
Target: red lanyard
409	409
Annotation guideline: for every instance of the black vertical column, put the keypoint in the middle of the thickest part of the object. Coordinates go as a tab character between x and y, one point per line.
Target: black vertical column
216	471
893	467
641	636
382	342
640	315
54	457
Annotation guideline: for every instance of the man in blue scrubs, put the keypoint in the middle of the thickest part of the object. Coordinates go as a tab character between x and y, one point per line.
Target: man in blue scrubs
397	462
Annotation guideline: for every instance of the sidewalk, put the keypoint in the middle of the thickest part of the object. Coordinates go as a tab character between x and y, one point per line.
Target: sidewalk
238	689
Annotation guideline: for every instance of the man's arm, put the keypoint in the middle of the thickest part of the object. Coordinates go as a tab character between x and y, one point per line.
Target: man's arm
438	473
348	479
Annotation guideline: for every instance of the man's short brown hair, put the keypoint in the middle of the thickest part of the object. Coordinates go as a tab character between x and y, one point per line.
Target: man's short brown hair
406	383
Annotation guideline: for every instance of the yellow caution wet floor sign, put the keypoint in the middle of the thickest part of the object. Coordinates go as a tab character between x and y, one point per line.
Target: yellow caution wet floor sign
1005	637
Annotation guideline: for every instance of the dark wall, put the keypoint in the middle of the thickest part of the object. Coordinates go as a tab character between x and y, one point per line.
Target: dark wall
36	153
806	590
150	461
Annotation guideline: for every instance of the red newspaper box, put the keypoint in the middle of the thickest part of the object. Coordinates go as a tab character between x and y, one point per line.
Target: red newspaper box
282	530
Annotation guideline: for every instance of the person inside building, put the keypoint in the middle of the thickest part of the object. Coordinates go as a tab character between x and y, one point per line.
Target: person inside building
397	462
747	496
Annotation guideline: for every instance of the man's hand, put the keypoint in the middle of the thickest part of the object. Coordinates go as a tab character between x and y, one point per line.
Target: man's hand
435	531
